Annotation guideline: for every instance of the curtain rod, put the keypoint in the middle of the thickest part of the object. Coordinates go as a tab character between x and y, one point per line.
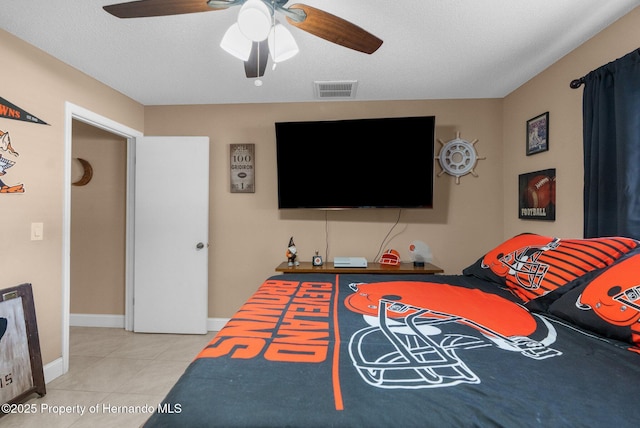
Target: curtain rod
576	83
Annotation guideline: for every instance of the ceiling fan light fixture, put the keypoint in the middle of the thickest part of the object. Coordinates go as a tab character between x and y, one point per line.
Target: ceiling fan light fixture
236	44
282	45
254	20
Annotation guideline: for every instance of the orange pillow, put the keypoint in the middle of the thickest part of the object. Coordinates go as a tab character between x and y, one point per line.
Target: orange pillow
532	265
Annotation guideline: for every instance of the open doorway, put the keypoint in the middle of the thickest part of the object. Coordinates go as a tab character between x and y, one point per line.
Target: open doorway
74	113
98	227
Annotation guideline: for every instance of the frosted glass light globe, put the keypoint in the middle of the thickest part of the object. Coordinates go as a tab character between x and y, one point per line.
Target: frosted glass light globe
254	20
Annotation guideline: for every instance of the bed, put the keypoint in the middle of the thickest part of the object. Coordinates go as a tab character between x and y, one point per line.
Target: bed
537	332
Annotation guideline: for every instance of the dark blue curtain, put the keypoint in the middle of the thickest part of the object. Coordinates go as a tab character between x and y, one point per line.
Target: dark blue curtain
611	127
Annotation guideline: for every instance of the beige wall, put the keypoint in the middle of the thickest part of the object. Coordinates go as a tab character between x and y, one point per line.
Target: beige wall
41	85
248	234
98	222
550	91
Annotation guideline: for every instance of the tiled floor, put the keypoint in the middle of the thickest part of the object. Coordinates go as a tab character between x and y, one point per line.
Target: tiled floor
110	372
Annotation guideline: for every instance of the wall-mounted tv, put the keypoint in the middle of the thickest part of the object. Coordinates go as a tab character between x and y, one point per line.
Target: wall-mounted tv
360	163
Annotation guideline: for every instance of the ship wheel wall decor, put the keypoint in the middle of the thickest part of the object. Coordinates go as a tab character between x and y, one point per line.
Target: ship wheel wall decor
458	157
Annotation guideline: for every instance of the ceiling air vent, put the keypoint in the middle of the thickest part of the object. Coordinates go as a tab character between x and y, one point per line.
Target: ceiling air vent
336	89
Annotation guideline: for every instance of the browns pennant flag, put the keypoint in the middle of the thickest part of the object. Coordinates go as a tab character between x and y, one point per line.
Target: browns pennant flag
11	111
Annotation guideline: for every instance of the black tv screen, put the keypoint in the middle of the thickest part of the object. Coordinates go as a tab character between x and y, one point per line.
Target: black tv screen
361	163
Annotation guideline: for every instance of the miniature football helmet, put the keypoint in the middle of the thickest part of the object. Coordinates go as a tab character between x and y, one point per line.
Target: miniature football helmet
390	257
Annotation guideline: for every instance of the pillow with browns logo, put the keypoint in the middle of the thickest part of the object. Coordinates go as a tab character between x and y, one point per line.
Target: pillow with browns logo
608	304
532	265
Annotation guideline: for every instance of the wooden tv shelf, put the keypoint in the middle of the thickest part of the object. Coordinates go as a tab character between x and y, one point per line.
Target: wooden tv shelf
377	268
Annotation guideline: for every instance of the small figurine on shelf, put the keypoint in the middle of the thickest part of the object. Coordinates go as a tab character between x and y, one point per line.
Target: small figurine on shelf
317	260
292	253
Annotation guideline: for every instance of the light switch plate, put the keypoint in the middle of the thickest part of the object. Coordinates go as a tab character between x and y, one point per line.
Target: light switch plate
37	230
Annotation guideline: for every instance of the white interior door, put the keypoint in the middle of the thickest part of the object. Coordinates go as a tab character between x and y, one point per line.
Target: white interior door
171	235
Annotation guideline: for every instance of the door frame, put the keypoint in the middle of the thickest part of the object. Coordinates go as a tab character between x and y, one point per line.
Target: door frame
81	114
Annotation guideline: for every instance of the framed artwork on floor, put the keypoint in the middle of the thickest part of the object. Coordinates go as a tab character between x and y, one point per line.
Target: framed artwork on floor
21	372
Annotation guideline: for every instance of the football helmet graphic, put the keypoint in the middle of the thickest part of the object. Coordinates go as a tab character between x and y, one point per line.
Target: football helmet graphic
425	325
521	262
534	265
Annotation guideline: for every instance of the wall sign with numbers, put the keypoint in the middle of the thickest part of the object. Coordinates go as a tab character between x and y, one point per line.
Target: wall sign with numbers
242	162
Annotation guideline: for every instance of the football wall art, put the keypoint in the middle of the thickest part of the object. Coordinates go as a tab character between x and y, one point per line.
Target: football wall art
7	162
537	195
8	153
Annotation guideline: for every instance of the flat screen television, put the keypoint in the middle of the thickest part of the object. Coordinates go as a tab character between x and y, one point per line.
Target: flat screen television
360	163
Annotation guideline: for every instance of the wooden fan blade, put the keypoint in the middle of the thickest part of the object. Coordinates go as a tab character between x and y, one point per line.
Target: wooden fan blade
257	62
336	30
146	8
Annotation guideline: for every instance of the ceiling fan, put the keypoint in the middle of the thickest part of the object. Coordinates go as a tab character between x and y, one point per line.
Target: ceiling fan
307	18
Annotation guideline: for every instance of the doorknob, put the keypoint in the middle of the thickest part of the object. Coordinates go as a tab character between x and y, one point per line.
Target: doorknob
200	246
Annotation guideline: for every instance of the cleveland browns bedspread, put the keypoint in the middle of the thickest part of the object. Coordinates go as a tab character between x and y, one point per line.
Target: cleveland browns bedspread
539	332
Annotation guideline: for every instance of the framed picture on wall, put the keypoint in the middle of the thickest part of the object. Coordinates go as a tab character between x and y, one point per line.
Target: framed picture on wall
242	165
537	195
538	134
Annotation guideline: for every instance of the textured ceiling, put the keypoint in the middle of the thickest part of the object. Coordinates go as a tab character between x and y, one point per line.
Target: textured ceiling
433	49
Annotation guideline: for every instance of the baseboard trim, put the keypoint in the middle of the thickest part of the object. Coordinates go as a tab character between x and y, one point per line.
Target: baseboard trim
216	324
117	321
53	370
96	320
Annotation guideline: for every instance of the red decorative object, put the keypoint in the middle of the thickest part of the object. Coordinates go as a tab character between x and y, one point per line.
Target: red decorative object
390	257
